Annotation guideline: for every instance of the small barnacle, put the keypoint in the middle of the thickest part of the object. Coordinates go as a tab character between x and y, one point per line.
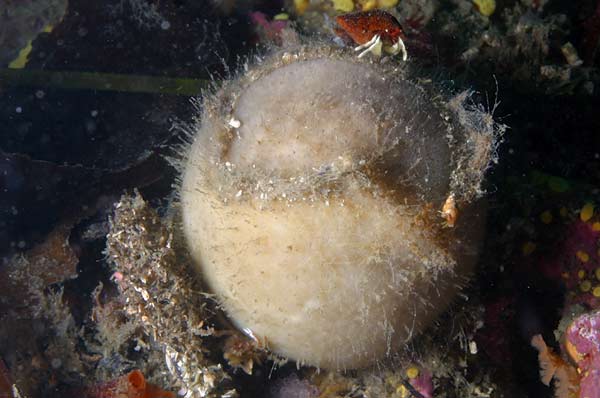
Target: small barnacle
450	211
243	352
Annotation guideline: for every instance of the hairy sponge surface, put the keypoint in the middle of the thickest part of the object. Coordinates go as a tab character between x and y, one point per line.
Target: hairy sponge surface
311	198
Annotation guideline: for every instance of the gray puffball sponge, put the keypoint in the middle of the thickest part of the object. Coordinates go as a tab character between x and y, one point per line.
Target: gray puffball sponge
312	197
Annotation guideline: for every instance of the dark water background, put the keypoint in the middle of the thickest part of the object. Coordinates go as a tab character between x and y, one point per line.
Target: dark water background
64	150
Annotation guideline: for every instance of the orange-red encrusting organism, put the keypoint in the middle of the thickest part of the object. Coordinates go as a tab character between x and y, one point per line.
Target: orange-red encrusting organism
132	385
363	25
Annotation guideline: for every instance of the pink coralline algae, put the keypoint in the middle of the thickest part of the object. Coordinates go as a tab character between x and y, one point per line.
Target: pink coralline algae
270	30
293	387
423	384
583	345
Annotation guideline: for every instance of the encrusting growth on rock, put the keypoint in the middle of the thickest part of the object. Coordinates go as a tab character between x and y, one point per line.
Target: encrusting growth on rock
161	295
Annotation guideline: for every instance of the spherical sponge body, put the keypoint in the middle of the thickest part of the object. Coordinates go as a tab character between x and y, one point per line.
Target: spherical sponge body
311	199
